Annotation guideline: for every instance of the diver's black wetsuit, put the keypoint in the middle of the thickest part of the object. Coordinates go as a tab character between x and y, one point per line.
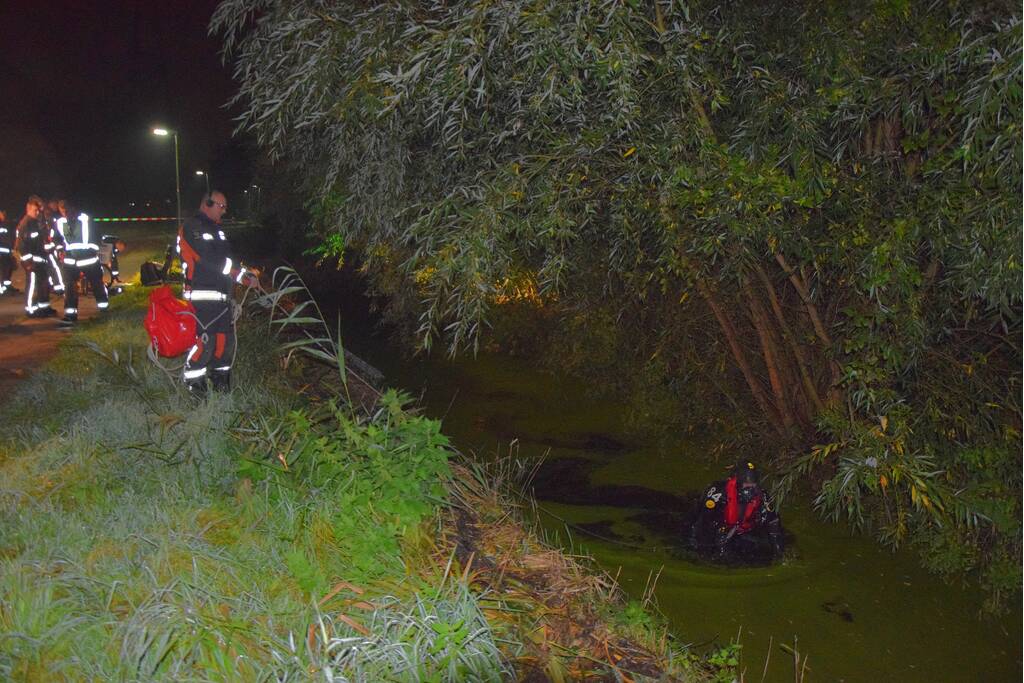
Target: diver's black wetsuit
728	525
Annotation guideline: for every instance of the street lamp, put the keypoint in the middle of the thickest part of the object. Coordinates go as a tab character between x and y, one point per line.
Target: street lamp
258	195
163	132
206	177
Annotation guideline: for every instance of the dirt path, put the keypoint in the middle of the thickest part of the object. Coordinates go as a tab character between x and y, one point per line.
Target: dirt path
26	343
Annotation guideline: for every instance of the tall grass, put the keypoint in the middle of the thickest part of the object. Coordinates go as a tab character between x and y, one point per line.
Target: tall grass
147	537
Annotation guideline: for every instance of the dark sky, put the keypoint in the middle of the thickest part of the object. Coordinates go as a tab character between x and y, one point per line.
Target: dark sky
83	83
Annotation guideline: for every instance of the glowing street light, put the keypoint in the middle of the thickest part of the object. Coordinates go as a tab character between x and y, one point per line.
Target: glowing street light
164	132
206	177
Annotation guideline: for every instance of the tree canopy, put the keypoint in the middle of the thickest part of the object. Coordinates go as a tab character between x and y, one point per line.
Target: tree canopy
837	184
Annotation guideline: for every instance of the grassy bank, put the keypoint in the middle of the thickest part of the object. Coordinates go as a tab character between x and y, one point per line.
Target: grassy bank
275	533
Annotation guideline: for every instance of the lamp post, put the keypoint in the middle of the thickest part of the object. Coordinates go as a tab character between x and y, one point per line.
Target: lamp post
163	132
259	196
206	177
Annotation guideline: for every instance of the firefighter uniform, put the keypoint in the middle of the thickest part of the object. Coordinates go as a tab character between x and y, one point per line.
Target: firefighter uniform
54	247
7	235
108	256
81	258
210	275
32	238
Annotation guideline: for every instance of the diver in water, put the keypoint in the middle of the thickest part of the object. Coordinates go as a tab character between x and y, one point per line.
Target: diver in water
735	520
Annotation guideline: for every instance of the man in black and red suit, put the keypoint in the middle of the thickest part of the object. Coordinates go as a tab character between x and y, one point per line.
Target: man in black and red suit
210	273
735	516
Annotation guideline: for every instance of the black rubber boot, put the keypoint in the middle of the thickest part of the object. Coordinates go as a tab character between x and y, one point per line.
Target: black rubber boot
197	390
221	381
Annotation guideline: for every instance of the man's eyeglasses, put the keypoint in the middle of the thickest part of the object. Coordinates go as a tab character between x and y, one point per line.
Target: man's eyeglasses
223	206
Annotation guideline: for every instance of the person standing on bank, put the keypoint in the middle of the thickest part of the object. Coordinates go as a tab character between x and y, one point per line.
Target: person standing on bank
54	246
7	235
210	273
112	246
32	245
81	258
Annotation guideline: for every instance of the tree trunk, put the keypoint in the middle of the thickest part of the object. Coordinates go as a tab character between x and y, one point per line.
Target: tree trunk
739	356
770	354
810	390
819	329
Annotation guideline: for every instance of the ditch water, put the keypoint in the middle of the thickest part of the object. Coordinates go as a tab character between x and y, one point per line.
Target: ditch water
856	611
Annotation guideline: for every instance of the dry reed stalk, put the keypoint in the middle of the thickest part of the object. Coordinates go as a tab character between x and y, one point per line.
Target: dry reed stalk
541	589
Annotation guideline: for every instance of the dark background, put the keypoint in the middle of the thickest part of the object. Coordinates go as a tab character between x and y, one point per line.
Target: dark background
83	84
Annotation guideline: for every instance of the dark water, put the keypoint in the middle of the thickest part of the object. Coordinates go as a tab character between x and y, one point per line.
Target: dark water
855	610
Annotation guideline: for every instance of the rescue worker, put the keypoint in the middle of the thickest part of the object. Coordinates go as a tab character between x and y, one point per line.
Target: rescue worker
32	245
81	258
7	240
210	273
62	212
112	245
54	246
735	516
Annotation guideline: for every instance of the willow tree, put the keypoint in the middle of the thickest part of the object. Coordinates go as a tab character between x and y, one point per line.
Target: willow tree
838	187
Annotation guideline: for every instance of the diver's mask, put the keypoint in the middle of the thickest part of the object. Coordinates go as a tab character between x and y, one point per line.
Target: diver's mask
745	494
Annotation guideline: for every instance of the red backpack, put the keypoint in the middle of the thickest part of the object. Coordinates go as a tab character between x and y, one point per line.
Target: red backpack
170	322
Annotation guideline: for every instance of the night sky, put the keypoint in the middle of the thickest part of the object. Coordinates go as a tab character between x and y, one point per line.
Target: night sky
83	84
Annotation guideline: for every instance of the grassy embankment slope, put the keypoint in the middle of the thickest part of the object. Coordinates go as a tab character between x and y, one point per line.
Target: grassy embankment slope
274	534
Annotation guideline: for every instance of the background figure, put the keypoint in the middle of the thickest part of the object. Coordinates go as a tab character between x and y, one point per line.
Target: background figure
210	275
7	235
54	245
82	258
31	238
110	247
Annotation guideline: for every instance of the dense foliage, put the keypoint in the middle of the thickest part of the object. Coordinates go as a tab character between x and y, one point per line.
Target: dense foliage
832	188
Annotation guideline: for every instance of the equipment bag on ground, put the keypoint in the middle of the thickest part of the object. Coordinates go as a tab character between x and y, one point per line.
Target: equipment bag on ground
170	323
149	274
